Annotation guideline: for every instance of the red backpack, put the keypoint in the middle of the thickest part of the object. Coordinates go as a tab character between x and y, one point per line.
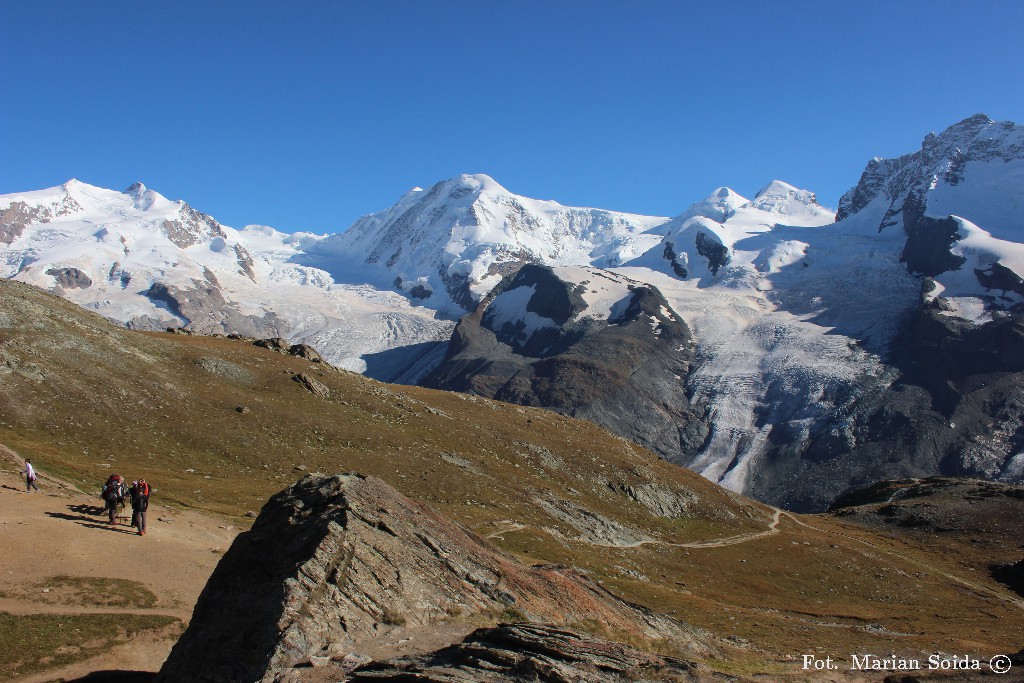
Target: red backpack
113	489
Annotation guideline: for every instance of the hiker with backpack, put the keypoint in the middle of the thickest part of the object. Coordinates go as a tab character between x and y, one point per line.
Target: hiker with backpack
30	477
113	493
139	496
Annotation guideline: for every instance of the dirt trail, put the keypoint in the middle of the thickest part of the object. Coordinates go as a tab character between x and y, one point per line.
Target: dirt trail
713	543
735	540
60	531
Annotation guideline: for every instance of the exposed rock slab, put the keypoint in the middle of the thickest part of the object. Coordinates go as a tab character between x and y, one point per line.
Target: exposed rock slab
334	563
529	653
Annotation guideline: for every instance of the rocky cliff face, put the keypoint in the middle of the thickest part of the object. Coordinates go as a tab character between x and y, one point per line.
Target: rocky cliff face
953	407
531	342
334	563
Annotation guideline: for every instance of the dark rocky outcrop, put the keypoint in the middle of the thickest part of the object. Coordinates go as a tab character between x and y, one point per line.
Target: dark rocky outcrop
669	254
626	373
999	277
70	278
281	345
275	344
713	250
334	563
306	352
1011	574
529	654
927	251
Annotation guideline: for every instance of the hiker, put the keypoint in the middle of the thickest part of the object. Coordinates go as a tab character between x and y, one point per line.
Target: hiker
139	493
113	495
30	477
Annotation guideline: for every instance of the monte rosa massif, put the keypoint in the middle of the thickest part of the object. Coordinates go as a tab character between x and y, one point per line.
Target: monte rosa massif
779	348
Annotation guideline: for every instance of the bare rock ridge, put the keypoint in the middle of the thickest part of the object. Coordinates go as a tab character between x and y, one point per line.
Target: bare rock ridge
528	653
334	563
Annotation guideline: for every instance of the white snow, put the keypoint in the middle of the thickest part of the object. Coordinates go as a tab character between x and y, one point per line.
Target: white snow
509	307
991	194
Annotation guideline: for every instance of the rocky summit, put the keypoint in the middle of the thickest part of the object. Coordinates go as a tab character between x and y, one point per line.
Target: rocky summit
334	564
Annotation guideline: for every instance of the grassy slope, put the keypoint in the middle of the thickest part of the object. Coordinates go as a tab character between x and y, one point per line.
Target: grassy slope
83	398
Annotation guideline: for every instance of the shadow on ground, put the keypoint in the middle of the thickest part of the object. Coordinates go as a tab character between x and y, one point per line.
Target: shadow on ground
90	522
116	677
83	509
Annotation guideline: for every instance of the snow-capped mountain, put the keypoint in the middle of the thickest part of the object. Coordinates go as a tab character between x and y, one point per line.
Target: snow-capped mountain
960	201
807	344
451	244
150	263
821	350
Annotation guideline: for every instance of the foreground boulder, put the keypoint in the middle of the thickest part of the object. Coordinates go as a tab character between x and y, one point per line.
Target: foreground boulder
334	564
529	653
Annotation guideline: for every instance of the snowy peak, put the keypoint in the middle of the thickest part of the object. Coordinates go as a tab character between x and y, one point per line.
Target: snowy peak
452	243
474	184
944	159
718	206
145	199
782	198
702	241
970	174
776	202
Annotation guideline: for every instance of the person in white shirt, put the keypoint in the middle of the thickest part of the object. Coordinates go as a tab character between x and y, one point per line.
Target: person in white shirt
30	477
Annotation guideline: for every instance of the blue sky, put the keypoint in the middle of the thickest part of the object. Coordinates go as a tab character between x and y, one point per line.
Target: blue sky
306	115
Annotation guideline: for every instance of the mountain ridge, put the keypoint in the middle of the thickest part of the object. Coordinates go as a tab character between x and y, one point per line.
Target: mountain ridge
805	323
